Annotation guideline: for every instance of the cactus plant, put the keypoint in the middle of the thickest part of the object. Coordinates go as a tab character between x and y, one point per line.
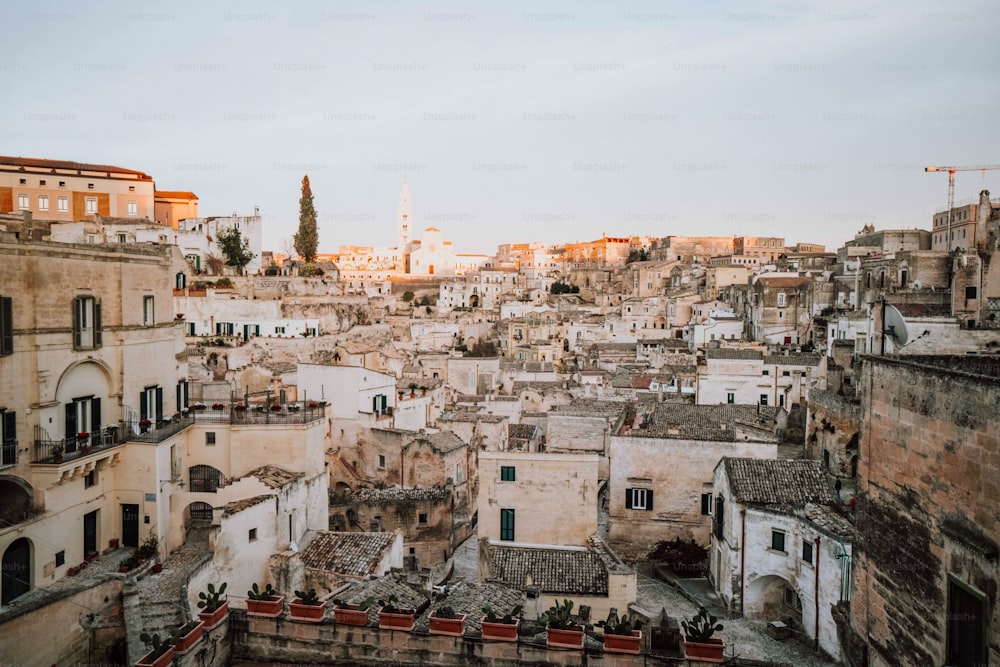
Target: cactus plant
701	627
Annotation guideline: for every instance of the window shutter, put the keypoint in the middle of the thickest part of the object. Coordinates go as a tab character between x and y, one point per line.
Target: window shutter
143	407
9	426
628	499
71	420
77	336
177	393
649	499
95	414
159	403
6	325
97	324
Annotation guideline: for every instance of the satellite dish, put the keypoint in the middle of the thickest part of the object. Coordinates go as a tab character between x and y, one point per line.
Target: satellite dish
894	325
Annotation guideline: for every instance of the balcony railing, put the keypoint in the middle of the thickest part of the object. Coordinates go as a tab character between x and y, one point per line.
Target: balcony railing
8	453
156	431
68	449
300	412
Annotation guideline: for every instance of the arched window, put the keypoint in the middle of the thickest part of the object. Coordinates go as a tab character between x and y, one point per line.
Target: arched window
205	479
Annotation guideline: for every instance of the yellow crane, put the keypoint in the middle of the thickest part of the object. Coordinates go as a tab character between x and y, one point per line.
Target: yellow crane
951	188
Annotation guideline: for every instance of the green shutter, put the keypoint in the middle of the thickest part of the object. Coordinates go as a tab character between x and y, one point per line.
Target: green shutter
97	324
6	325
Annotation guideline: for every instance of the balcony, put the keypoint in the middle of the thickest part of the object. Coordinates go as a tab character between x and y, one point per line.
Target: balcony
68	449
299	412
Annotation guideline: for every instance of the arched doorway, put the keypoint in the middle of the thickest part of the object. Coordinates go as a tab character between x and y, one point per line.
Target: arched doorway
15	500
474	301
772	598
16	578
199	513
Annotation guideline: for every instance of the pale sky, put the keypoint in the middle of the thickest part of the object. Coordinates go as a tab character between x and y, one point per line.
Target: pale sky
520	121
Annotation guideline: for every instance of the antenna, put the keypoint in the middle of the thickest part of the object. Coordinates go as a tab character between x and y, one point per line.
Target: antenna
894	326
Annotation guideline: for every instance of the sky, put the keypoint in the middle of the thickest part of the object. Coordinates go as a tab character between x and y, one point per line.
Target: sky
540	121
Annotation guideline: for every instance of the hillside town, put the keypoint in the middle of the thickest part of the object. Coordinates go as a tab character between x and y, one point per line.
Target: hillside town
630	450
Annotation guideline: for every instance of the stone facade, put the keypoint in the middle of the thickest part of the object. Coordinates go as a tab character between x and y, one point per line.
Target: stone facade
926	562
832	432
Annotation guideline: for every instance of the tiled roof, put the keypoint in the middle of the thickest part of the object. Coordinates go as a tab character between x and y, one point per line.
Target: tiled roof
731	353
590	407
274	477
355	554
797	359
65	164
771	481
443	441
784	281
384	588
521	431
245	503
699	422
395	494
175	194
563	571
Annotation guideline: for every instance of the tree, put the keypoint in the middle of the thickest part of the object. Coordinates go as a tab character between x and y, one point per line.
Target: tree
214	263
307	238
560	287
235	248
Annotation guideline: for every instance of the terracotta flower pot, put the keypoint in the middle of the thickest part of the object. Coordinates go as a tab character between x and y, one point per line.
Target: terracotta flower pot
270	608
350	615
391	621
159	657
190	638
564	638
623	643
447	626
501	632
214	618
311	613
709	651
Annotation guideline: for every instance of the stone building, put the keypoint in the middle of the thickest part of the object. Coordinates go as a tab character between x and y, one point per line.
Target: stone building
926	561
778	551
780	309
662	460
747	376
832	433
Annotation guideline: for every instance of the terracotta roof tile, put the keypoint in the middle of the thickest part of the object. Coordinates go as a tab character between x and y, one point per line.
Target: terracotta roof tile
245	503
563	571
66	164
775	481
274	477
354	554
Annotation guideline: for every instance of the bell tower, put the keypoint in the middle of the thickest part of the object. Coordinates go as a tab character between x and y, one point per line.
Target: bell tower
405	218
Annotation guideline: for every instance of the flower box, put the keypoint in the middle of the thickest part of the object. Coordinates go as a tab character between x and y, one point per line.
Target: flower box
568	638
158	657
447	626
350	615
501	632
392	621
311	613
623	643
214	618
187	641
270	607
707	651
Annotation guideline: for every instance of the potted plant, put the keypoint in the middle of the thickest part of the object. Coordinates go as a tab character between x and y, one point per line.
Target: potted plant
217	406
214	608
186	636
413	389
264	603
57	453
621	635
307	607
352	614
698	640
446	621
161	651
239	407
276	407
423	391
562	630
144	425
393	617
313	404
503	628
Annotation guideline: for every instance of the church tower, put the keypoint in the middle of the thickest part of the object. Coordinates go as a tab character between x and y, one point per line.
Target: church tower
405	222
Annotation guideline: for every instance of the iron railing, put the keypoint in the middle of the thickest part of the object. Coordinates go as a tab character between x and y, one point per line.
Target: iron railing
296	412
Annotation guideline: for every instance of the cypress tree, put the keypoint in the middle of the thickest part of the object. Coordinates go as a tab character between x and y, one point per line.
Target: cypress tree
307	238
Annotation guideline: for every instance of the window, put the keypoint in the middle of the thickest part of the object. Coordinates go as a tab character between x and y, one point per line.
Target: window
90	479
970	292
807	551
204	479
778	540
131	188
182	395
718	517
60	558
83	415
763	399
62	184
133	209
785	374
8	438
252	537
781	299
62	203
706	504
422	518
279	330
765	372
90	186
639	499
43	202
507	525
90	204
791	599
122	237
507	474
148	311
23	181
381	461
24	202
730	397
151	404
210	438
6	325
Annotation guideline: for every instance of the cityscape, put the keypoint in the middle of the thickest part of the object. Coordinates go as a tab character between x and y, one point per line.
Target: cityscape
494	363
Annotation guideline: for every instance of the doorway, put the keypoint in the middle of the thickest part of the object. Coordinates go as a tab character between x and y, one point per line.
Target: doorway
16	578
130	526
90	532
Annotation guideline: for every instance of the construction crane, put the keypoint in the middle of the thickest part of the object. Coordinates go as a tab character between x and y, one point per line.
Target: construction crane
951	188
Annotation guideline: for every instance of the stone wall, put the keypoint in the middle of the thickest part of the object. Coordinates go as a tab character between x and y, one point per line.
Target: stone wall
832	426
929	480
